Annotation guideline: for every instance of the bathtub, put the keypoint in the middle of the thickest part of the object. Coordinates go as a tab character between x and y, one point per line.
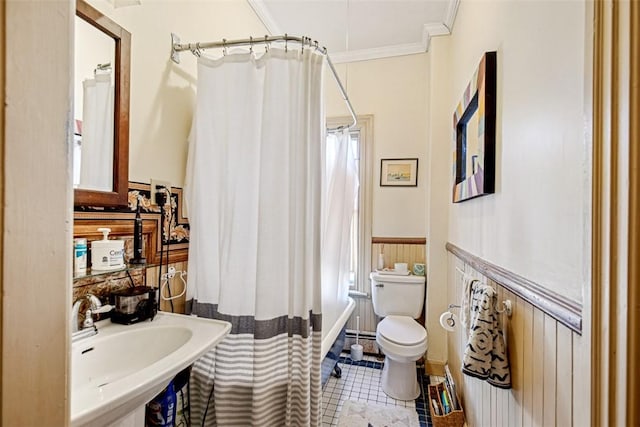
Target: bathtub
335	324
334	320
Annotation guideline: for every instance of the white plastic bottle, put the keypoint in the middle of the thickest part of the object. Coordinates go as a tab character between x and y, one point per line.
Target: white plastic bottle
107	254
79	257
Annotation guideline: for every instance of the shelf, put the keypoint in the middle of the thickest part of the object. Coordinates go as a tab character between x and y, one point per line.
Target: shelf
97	273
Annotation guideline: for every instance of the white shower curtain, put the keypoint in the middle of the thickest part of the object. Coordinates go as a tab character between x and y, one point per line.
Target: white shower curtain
340	189
254	198
96	164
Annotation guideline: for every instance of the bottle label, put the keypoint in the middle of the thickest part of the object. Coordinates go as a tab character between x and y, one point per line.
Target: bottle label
80	258
116	257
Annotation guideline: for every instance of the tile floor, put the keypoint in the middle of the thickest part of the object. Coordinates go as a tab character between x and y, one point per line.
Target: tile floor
360	381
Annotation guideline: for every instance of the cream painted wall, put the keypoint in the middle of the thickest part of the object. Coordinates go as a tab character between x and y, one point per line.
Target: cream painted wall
394	91
438	201
163	93
537	222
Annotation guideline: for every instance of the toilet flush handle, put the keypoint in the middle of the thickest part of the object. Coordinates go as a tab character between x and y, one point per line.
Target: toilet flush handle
379	285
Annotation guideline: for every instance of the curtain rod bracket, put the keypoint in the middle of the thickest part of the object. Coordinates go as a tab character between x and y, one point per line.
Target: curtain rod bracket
175	54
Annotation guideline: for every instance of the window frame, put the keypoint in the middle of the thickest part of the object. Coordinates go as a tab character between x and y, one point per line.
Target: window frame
364	127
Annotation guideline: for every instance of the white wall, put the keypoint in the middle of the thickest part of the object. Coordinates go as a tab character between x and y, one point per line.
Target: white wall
163	93
537	222
394	91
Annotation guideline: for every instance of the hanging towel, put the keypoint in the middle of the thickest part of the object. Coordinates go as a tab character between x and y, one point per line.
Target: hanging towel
467	282
485	356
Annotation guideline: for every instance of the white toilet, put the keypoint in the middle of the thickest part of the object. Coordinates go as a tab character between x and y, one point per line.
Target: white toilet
399	299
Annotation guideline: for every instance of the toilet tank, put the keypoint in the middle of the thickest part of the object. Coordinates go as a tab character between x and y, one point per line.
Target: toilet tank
397	295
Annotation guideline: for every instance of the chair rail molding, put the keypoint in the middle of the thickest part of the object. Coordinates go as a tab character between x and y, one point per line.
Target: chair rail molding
561	308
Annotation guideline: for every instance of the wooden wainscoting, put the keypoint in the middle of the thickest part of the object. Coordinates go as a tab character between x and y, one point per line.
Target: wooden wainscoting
548	360
398	249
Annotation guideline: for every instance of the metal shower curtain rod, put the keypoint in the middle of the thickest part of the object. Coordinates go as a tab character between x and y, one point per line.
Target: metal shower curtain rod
195	48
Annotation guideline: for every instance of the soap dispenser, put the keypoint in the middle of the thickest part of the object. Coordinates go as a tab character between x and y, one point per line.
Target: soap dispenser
107	254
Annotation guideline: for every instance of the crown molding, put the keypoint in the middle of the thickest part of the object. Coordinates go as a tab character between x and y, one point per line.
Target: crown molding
265	17
377	53
450	17
429	30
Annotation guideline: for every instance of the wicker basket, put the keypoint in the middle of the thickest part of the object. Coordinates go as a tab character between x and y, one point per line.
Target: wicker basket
454	418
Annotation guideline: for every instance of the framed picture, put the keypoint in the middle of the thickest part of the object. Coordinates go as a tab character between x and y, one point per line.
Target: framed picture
474	126
399	173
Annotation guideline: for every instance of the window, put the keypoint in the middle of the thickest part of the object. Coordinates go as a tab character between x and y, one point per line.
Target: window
360	256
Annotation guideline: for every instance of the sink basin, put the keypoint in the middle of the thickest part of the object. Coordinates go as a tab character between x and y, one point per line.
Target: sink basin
124	366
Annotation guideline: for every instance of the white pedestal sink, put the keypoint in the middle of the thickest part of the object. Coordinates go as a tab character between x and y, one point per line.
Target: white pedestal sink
124	366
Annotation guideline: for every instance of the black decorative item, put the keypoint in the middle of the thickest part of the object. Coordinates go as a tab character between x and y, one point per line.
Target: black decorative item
137	237
474	123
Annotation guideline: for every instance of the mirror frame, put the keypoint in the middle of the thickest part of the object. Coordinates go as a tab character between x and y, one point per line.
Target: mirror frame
478	98
119	194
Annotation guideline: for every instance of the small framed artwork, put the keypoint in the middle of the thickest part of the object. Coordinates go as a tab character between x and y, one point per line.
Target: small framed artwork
399	173
474	128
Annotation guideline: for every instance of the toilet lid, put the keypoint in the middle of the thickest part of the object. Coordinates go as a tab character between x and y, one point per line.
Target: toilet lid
402	330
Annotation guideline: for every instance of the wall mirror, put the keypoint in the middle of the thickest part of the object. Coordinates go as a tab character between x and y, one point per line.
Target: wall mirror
474	124
102	61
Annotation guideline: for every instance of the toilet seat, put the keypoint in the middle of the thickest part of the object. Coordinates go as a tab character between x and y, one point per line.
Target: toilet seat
402	330
401	338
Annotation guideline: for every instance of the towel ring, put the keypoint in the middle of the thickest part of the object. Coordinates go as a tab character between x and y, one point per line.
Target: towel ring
166	278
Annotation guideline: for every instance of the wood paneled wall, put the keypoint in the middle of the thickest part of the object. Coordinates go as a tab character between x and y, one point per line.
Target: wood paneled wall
549	367
397	250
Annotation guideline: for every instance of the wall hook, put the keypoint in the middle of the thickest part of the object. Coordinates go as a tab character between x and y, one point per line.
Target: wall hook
507	307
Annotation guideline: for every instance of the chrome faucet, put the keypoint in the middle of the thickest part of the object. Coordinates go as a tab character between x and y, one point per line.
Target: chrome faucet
88	328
